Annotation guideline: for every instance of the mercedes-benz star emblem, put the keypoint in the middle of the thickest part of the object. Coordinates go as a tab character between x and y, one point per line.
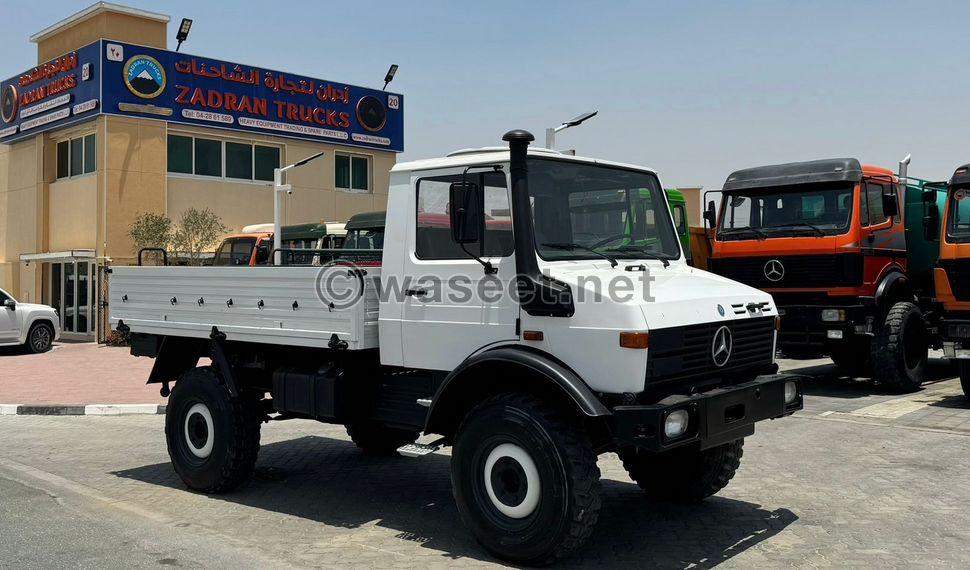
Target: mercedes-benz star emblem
721	347
774	270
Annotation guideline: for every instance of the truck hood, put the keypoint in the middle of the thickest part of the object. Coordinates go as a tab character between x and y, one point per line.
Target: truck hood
676	296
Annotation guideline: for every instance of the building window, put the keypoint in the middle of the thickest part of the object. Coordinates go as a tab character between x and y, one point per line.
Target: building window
222	159
352	173
76	156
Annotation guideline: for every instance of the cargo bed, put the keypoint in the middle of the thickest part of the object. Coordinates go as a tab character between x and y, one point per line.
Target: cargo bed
274	305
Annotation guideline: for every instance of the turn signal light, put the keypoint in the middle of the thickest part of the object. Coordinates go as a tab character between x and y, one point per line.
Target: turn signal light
532	335
634	339
777	323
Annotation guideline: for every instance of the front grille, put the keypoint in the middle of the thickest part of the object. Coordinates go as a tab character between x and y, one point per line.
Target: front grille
801	271
685	353
958	274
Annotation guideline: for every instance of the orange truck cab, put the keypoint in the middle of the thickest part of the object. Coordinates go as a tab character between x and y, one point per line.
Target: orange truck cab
250	249
828	240
952	274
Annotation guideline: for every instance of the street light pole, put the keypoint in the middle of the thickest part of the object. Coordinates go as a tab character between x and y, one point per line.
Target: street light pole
278	189
551	131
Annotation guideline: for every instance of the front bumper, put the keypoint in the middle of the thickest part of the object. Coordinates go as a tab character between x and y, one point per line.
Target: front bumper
803	325
715	417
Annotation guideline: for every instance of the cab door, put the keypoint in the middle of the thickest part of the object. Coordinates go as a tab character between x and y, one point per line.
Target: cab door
451	308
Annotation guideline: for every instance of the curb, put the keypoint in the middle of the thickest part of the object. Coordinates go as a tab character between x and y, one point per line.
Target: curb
80	410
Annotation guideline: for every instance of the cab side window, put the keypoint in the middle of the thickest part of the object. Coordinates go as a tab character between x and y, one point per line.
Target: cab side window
871	202
433	225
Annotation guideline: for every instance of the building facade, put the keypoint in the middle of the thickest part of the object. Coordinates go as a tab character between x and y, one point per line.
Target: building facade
110	124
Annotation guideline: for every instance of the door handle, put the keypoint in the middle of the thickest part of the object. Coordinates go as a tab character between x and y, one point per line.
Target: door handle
416	292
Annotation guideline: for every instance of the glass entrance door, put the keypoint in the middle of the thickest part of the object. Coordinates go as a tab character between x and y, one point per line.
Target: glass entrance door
72	293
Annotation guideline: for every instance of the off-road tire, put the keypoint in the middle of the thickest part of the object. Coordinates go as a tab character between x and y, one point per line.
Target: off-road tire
965	377
564	465
379	440
900	350
40	338
685	475
854	358
234	437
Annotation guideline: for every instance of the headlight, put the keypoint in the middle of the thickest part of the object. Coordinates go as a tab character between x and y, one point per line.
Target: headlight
791	392
676	424
833	315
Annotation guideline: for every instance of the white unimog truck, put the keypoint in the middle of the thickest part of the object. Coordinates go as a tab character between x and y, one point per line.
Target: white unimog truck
532	309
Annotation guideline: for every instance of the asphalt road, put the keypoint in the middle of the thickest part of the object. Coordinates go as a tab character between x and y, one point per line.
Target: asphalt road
860	478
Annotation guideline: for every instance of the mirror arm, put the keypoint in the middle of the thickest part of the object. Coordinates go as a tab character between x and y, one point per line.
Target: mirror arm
489	268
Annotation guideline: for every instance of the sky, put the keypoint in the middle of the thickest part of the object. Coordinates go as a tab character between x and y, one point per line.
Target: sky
695	90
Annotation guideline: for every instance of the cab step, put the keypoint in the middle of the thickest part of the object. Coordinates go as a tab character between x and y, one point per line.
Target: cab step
421	449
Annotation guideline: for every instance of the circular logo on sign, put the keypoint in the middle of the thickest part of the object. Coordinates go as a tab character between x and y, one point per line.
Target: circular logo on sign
8	104
144	76
371	113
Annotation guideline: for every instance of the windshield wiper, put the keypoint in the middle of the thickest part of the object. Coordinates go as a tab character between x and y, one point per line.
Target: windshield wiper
642	252
817	229
755	231
575	246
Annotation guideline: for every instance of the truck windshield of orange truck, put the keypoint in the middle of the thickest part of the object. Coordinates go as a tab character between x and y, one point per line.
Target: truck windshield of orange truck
958	226
823	209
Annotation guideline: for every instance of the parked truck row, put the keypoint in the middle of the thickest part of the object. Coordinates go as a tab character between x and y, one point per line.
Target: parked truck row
527	387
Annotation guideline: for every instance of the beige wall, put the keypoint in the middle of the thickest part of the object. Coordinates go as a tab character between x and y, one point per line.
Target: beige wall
121	27
22	204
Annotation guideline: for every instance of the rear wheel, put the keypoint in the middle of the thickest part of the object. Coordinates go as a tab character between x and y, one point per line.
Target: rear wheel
377	439
213	437
40	338
965	377
683	475
900	349
525	480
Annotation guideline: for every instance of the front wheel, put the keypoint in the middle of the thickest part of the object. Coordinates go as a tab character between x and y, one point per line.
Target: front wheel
683	475
525	480
40	338
965	377
900	349
213	437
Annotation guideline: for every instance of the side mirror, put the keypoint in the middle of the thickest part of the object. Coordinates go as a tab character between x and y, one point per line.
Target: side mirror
931	223
466	212
10	304
710	214
890	206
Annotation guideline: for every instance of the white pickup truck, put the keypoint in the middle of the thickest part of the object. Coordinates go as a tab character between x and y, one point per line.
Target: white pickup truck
532	309
30	325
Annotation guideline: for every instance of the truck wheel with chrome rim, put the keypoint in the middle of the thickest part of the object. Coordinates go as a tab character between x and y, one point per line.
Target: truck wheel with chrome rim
213	437
525	480
900	350
965	377
686	474
40	338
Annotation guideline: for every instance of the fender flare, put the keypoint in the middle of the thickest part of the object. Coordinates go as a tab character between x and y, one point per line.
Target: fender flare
550	371
894	285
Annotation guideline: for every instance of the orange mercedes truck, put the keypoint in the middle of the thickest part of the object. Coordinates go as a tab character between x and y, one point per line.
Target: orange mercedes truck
952	274
828	240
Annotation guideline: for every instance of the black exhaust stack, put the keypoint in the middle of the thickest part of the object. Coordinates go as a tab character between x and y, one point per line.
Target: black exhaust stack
539	294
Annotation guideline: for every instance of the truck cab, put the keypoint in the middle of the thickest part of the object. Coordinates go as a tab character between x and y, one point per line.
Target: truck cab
828	240
530	309
678	209
952	274
253	246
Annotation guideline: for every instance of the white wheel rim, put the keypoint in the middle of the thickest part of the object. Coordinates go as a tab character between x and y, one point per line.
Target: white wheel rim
533	488
201	410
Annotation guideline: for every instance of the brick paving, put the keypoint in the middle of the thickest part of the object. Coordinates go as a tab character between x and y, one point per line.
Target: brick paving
848	482
76	374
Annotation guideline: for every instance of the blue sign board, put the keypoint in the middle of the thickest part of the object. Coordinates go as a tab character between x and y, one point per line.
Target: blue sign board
180	88
59	93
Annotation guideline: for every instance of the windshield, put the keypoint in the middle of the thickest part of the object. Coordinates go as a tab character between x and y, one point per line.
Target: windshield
958	218
785	211
612	211
235	252
364	239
